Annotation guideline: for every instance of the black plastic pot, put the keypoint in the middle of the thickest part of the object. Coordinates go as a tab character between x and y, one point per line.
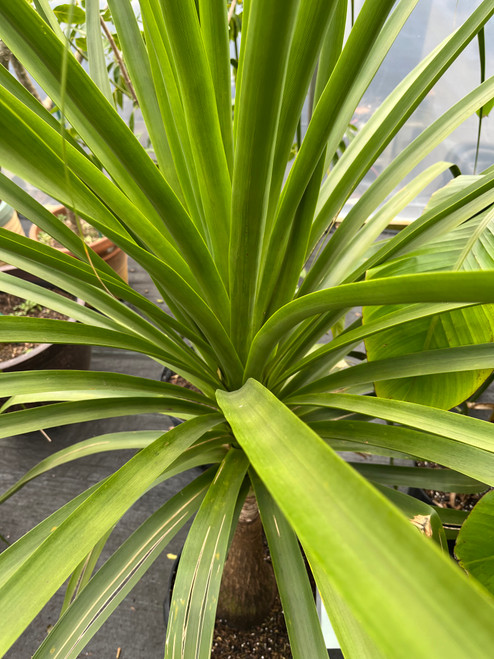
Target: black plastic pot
171	582
165	376
46	355
332	653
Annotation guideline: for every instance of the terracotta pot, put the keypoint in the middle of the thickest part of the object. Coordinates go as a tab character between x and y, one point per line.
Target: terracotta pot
104	247
9	220
46	355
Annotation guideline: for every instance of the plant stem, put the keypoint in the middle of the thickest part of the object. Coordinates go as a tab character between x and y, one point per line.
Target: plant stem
119	59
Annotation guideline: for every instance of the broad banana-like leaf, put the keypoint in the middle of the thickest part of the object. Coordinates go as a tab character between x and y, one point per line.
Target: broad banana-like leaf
470	247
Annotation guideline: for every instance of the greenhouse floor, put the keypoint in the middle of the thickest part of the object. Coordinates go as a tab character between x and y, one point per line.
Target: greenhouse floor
136	630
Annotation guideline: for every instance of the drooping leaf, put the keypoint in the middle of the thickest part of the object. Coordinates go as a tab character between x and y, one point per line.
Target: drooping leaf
27	590
120	573
353	542
193	607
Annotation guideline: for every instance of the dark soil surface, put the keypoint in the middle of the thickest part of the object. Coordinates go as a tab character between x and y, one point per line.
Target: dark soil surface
182	382
269	640
451	499
11	305
89	233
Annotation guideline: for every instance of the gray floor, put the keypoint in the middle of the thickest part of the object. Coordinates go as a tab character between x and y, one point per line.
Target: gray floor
136	628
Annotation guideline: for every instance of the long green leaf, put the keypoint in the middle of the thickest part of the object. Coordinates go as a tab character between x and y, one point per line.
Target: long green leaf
443	480
392	114
60	414
30	258
120	573
322	359
342	267
331	49
210	448
46	144
49	16
81	280
122	154
28	206
125	321
303	626
112	441
467	248
214	30
311	26
170	103
411	156
436	221
264	69
23	548
193	607
95	50
195	80
53	300
42	54
45	330
438	287
468	457
137	62
40	385
428	362
83	572
303	475
27	590
333	112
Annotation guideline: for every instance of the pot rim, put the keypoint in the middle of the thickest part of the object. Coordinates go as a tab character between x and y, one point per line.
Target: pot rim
40	347
100	244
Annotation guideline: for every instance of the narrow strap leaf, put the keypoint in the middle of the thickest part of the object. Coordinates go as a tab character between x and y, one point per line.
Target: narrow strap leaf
79	532
267	46
193	607
302	473
120	573
297	598
475	287
468	457
95	51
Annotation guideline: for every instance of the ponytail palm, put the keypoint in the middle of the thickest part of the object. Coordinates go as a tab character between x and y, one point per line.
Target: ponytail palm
227	243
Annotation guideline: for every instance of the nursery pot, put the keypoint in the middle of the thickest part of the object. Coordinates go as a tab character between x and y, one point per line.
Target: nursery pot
9	220
334	651
104	247
46	355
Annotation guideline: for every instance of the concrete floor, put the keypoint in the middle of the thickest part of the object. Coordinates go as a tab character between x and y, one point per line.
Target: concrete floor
136	629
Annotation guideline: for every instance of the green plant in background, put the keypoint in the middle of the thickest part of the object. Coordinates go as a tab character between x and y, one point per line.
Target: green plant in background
72	19
226	241
23	308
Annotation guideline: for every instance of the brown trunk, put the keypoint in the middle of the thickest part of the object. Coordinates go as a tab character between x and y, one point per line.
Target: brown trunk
248	586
